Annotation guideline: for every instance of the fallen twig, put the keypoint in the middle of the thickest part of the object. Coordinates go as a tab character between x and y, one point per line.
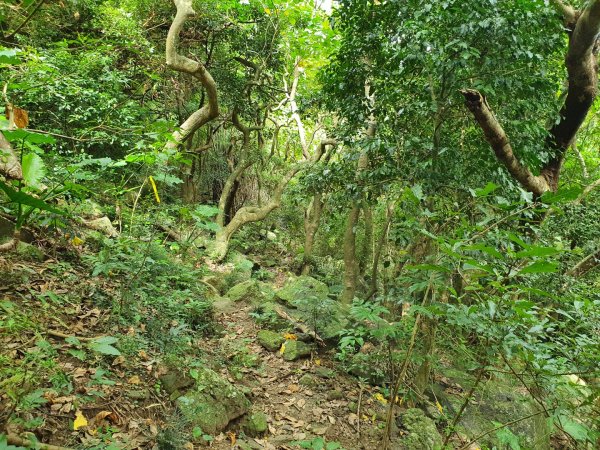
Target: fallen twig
66	336
13	439
299	325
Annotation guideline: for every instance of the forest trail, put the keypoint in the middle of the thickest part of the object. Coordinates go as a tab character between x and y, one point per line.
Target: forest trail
301	398
60	313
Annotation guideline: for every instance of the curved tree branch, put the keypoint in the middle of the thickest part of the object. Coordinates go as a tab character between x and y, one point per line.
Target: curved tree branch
581	64
196	69
498	140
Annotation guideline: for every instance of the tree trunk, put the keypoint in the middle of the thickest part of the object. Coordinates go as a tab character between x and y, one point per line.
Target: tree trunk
379	250
312	218
351	266
249	214
196	69
366	253
581	64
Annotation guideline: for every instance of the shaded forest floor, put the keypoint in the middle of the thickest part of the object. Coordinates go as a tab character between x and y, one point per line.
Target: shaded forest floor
86	362
53	313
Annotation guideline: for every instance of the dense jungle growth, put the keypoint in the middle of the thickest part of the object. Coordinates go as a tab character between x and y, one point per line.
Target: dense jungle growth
284	224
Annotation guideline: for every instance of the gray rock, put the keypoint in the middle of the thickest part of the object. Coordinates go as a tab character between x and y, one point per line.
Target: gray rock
295	349
175	380
419	432
302	288
308	381
29	252
255	424
213	403
270	340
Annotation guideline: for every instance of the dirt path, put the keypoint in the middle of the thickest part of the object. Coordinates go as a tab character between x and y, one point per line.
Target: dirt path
303	399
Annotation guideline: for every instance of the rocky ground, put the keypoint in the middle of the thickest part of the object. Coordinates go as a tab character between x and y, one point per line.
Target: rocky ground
76	376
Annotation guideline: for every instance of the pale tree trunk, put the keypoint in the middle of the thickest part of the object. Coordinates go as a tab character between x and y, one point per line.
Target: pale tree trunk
196	69
312	218
581	64
351	266
379	249
312	215
366	253
249	214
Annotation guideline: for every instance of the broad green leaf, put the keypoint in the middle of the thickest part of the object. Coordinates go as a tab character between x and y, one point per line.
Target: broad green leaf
482	192
485	249
25	199
28	136
535	250
540	267
576	430
103	345
34	170
562	195
105	349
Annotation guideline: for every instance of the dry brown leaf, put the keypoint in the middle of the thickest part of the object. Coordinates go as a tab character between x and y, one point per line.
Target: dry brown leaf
21	117
134	380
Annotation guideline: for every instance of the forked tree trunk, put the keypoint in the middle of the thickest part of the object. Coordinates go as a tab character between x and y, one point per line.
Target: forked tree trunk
248	214
196	69
351	266
582	70
312	218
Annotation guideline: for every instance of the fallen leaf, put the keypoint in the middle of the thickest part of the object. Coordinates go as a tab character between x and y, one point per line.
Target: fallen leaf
290	336
439	407
232	438
282	349
134	380
80	420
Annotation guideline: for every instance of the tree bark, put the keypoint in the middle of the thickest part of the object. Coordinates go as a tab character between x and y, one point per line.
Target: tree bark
581	64
196	69
378	251
312	218
10	165
351	267
249	214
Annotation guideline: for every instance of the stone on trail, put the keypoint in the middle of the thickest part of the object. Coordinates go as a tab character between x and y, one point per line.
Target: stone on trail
255	424
212	403
251	291
295	349
301	289
270	340
419	432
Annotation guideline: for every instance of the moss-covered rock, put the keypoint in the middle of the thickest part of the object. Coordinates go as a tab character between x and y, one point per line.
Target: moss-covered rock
420	432
301	289
213	403
270	340
255	424
245	291
29	252
308	380
295	349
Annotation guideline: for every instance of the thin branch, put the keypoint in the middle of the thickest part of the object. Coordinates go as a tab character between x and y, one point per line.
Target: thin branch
27	19
568	12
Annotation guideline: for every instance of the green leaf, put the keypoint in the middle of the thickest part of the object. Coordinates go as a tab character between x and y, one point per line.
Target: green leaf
576	430
105	349
434	267
25	199
34	170
9	56
28	136
562	195
103	345
535	250
485	249
482	192
540	267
